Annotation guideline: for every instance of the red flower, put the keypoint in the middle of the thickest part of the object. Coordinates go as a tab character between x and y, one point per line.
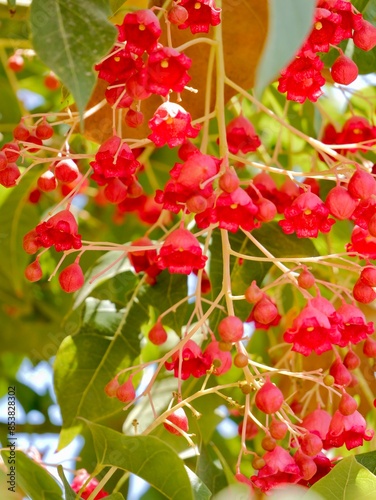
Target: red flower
114	158
363	213
187	181
349	20
59	230
141	30
141	260
80	480
280	468
355	328
362	242
171	124
349	430
191	360
230	211
118	66
324	466
201	15
241	136
334	22
356	130
118	95
317	422
311	331
326	30
264	314
167	70
306	216
302	79
221	360
181	253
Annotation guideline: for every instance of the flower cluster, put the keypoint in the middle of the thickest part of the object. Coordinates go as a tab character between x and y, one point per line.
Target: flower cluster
334	21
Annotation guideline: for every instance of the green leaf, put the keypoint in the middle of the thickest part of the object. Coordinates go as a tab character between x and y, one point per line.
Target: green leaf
115	496
32	478
143	412
11	4
290	22
368	460
207	470
200	490
347	480
70	36
244	272
146	456
110	287
237	490
13	259
69	493
169	289
365	61
85	363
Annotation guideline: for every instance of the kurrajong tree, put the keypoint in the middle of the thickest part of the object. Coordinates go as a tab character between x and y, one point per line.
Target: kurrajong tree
189	228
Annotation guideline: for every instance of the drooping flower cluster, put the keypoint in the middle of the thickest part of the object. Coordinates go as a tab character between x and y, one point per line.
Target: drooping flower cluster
319	326
334	21
114	167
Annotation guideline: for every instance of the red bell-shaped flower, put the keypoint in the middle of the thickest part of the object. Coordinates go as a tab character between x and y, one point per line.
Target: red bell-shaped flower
181	253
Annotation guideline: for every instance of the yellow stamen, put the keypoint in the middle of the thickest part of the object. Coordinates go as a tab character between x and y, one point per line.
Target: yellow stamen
307	212
141	27
117	59
197	5
164	63
318	25
310	329
169	120
234	205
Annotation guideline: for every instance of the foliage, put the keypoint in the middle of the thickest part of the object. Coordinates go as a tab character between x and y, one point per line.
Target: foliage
249	197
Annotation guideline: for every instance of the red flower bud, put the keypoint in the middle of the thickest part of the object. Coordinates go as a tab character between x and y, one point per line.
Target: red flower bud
340	203
253	294
311	444
368	276
33	271
47	182
66	170
341	374
344	70
347	404
269	398
265	311
157	335
363	293
125	392
179	418
365	37
361	185
351	361
306	279
71	278
231	329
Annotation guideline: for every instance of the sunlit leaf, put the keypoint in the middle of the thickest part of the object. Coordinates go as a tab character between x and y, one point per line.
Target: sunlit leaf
146	456
85	363
347	480
32	478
